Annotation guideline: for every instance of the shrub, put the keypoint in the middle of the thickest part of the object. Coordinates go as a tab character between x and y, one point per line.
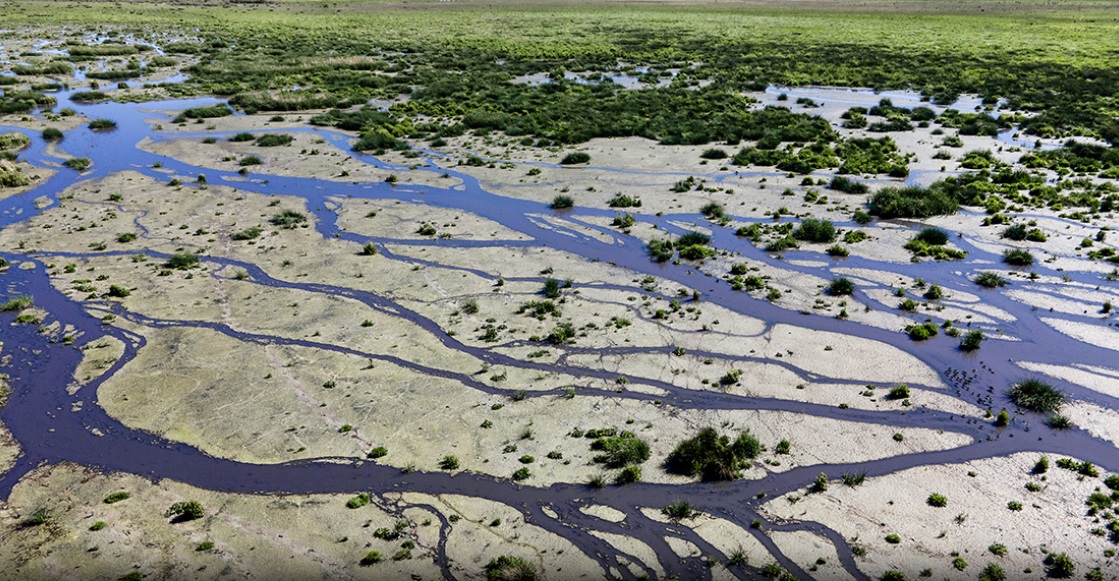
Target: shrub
623	201
1036	395
562	202
575	158
1058	422
204	546
959	563
900	391
893	575
1017	257
621	450
847	185
250	160
840	287
934	292
552	288
118	291
893	539
98	525
990	279
273	140
51	134
679	510
934	236
247	234
243	136
358	501
1112	482
713	153
838	251
40	517
628	475
186	510
116	497
98	124
921	332
913	202
509	568
521	474
1002	419
1059	566
371	558
78	163
16	304
183	261
937	500
713	211
853	479
1014	505
378	452
821	483
812	230
287	219
971	341
711	456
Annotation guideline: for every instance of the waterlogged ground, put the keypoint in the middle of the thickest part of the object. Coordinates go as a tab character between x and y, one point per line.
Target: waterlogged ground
357	325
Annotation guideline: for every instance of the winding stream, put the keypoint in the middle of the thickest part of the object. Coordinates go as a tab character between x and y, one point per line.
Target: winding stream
39	412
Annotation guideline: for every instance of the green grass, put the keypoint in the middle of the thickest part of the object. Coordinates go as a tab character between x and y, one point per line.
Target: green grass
1036	395
942	49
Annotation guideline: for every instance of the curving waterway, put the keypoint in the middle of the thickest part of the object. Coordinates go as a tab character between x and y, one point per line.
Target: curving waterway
49	429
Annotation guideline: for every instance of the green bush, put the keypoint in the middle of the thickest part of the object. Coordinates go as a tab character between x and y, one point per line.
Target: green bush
358	501
990	279
186	511
509	568
847	185
371	558
273	140
378	452
575	158
249	233
921	331
98	124
840	287
249	160
711	456
628	475
621	450
900	391
562	202
937	500
16	304
913	202
1059	566
812	230
117	497
1036	395
78	163
1017	257
679	510
971	341
243	136
183	261
287	219
934	236
51	134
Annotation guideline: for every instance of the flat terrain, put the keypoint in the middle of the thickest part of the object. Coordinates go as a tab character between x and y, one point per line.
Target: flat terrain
363	290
